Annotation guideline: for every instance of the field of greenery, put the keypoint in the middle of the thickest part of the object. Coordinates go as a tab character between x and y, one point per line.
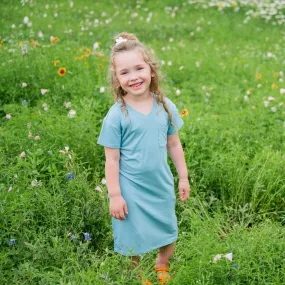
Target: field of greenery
222	64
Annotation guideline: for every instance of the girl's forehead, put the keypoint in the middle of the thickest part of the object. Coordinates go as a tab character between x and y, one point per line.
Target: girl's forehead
126	58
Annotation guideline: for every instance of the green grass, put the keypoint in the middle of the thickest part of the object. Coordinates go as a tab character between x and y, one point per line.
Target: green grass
233	144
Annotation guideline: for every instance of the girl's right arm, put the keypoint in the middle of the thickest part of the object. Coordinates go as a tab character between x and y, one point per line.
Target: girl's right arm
118	206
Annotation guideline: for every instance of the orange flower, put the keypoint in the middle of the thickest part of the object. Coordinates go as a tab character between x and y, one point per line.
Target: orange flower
258	75
34	43
184	113
274	86
54	39
55	62
62	71
275	74
88	51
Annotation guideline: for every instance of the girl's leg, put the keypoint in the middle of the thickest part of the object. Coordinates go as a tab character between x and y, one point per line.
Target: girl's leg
135	262
164	254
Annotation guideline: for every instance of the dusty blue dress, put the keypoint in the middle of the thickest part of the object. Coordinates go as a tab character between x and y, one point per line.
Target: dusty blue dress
146	181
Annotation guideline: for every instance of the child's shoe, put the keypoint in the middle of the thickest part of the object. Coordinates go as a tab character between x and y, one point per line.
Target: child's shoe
144	282
162	274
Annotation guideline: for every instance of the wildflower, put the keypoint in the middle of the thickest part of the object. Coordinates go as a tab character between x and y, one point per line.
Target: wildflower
98	188
102	89
171	40
73	237
235	265
275	74
259	85
265	103
270	98
258	75
274	86
37	138
10	189
217	257
197	64
67	104
24	84
169	63
62	71
23	154
103	181
69	234
282	91
54	39
44	91
96	45
40	34
69	176
184	113
8	116
178	92
24	102
55	62
30	135
36	183
26	20
181	67
249	91
229	256
71	113
273	109
12	241
87	236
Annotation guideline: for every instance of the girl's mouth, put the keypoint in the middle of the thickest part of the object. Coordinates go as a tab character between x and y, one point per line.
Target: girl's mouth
136	85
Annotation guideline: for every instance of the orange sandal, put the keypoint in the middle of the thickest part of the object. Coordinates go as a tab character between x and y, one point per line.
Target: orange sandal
162	274
146	282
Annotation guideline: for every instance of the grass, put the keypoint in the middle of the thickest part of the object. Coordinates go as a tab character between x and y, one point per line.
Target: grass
227	72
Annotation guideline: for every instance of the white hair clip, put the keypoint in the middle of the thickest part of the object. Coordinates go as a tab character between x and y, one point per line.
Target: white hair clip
120	40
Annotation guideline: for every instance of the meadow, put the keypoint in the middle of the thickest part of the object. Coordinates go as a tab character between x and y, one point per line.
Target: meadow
222	64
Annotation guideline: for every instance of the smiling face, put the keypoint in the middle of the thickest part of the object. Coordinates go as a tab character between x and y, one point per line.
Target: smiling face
133	73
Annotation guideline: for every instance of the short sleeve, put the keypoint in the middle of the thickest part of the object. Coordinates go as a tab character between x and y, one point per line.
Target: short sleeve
176	118
110	135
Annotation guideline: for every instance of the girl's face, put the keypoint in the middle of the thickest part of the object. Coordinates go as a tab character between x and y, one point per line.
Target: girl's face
133	73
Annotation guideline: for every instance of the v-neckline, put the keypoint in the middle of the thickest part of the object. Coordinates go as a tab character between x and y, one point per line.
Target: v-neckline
141	112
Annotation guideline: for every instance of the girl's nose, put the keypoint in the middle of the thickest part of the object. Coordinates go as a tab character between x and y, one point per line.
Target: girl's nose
133	76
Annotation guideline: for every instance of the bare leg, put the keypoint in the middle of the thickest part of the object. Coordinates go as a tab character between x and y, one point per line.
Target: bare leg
164	254
135	262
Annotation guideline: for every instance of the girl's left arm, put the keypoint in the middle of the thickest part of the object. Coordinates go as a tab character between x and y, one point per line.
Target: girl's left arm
176	153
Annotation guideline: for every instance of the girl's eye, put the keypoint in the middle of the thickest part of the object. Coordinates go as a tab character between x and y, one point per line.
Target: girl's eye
125	72
140	68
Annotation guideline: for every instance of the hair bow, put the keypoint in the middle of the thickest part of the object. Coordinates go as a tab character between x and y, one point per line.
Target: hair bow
120	40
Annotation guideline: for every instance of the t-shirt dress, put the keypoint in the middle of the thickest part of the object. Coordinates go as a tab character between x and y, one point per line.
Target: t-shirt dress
145	178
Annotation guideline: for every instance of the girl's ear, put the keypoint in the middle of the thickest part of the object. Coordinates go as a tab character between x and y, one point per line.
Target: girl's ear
152	74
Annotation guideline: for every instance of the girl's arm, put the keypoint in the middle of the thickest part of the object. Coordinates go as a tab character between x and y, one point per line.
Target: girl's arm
118	206
176	153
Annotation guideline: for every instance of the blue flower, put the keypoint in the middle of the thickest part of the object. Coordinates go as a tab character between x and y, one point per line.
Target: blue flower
73	237
87	236
24	102
69	176
235	265
12	241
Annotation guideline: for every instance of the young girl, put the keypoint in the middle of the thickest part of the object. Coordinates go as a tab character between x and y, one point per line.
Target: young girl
137	133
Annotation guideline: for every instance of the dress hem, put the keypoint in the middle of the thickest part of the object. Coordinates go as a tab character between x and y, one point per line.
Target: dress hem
148	250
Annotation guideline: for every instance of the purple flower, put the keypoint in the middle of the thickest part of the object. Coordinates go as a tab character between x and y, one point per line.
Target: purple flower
12	241
87	236
69	176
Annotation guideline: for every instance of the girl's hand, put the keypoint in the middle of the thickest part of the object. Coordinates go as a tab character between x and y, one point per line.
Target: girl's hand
184	189
118	207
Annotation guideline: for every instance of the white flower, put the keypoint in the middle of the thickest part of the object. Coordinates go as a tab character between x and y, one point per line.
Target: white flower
103	181
259	85
10	189
44	91
71	113
273	109
29	24
181	67
102	89
197	64
120	40
8	116
44	105
40	34
217	257
23	154
178	92
270	98
171	40
24	84
26	20
169	63
269	54
162	62
96	45
245	98
98	188
13	26
282	91
265	103
229	256
67	104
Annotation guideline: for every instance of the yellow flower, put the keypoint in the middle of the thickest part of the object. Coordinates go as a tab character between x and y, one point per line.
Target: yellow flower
258	75
274	86
275	74
220	5
100	65
87	51
234	4
184	113
62	71
55	62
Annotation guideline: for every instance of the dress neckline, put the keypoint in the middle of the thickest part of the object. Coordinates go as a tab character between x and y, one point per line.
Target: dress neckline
152	108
